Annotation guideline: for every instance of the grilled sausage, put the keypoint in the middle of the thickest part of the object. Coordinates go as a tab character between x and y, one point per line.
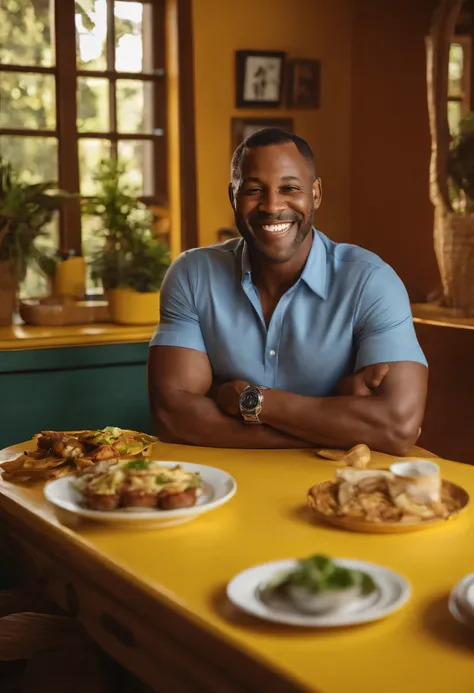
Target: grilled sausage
174	501
138	499
102	501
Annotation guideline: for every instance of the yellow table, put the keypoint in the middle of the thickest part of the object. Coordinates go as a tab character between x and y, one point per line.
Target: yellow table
156	599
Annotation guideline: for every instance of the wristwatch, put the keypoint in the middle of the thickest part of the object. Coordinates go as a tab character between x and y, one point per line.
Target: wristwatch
251	401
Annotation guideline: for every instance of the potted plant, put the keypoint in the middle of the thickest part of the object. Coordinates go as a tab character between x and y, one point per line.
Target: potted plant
132	262
451	171
25	211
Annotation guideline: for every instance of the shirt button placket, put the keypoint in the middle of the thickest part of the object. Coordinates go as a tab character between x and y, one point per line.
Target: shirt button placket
272	342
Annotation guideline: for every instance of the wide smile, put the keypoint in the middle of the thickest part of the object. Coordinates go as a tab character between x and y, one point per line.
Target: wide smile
276	229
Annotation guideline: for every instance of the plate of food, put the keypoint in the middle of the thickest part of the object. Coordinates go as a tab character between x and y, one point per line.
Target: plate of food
461	601
141	492
408	497
55	454
319	592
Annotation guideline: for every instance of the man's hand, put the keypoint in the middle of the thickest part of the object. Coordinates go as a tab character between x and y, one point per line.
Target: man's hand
227	396
365	382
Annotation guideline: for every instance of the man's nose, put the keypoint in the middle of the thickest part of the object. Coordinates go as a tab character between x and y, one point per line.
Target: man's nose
271	202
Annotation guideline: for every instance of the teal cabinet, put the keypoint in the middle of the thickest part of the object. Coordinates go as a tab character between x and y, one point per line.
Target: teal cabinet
73	388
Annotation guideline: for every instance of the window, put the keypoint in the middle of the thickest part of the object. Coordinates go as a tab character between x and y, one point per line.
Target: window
80	81
459	79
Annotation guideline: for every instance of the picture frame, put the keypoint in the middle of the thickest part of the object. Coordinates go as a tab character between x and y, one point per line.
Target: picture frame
304	84
259	78
241	128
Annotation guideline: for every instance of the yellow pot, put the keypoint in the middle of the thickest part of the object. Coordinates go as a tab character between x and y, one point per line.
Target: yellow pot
129	307
70	278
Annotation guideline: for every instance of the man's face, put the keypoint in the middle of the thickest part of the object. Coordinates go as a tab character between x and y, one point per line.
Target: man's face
275	201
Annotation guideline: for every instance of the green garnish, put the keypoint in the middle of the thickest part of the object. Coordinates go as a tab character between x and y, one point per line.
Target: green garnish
138	464
319	574
129	448
367	585
163	479
195	482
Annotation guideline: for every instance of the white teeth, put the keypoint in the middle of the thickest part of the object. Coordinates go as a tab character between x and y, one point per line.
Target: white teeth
276	228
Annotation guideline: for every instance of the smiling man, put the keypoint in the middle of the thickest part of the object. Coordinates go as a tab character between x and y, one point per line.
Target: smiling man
284	339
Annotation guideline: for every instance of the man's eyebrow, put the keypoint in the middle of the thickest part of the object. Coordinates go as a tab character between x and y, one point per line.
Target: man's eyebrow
254	179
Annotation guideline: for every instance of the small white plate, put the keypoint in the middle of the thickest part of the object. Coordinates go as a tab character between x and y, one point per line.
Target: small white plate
393	591
218	487
460	604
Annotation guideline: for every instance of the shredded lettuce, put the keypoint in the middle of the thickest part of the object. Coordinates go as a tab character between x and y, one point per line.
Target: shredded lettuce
138	464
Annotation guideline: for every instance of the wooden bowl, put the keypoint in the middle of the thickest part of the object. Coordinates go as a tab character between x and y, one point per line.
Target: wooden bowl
356	524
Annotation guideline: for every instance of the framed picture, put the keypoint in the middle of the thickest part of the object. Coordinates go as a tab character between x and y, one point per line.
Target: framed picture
241	128
304	84
259	79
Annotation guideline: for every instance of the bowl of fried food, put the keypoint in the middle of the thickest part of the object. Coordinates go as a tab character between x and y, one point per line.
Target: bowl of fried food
57	454
376	501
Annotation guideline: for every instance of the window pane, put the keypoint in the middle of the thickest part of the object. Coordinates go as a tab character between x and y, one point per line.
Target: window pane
134	106
92	104
26	32
36	158
27	101
455	69
91	34
90	154
132	42
36	283
92	241
138	157
454	116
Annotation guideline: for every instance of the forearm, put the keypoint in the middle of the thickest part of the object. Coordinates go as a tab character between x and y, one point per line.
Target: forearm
181	417
342	421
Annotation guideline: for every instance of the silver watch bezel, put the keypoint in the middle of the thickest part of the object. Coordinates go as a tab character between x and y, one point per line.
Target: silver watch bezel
251	415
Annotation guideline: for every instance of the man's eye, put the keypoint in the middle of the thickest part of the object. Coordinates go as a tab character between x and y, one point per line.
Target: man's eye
252	191
290	189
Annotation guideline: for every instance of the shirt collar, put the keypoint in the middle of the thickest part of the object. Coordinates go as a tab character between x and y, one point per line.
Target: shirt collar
315	271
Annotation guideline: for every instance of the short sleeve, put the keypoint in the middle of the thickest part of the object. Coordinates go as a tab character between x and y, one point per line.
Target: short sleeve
179	322
384	330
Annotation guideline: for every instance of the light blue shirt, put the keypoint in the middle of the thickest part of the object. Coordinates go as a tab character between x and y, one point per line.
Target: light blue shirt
347	310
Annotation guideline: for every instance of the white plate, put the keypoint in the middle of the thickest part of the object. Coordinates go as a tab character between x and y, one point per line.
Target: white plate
460	601
218	487
245	589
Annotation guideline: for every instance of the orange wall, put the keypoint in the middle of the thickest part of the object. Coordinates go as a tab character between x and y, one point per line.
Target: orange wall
391	211
304	29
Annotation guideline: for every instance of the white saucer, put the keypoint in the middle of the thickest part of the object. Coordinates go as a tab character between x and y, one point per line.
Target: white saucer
461	601
218	487
244	591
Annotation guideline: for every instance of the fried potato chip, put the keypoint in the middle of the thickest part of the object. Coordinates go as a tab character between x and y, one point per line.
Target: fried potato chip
37	474
83	463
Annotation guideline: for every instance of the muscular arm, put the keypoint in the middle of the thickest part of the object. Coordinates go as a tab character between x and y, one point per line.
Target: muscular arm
178	381
388	421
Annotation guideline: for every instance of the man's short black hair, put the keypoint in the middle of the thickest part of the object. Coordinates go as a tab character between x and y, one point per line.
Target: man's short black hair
266	138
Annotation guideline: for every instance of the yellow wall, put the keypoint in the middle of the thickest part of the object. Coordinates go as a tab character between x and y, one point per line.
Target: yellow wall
319	29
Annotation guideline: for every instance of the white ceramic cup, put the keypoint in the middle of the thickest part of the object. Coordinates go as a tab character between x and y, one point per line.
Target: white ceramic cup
415	468
418	479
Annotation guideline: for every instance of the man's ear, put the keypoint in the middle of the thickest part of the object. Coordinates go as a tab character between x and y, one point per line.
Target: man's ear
317	192
231	195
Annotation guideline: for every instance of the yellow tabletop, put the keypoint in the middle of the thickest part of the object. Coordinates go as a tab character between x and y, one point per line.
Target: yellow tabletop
186	568
20	337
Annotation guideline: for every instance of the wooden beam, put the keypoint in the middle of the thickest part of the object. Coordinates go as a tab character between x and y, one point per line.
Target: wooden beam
66	113
189	203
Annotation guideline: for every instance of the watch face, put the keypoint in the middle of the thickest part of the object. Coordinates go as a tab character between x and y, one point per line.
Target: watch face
249	400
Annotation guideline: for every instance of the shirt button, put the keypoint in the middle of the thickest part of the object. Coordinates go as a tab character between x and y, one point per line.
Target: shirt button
272	352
